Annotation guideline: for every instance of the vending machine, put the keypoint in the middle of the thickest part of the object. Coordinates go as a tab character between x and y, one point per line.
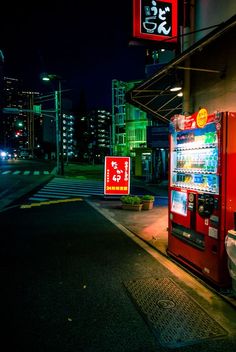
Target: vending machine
202	192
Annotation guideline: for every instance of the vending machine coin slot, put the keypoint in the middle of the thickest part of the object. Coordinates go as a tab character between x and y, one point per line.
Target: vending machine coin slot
192	208
214	221
205	205
191	202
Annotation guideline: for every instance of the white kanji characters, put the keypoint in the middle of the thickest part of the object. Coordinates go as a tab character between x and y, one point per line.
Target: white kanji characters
116	178
151	12
114	165
154	8
155	18
126	177
119	171
162	17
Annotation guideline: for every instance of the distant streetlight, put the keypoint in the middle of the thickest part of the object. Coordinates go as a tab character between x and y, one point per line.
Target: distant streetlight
59	123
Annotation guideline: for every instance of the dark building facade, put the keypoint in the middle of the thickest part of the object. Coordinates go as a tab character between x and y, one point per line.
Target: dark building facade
94	135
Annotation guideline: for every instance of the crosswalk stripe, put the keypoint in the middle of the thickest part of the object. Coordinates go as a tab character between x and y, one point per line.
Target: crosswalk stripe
16	172
5	172
59	188
71	188
38	199
26	172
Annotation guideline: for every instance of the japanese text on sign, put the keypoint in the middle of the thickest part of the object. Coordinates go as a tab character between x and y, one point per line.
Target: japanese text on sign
117	175
156	17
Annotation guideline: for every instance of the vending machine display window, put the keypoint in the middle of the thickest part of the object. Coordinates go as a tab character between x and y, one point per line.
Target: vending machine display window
179	202
194	159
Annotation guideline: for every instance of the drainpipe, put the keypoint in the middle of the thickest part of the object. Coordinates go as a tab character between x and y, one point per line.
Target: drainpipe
189	26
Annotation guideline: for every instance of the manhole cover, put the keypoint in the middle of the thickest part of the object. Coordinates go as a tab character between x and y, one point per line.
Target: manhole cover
175	318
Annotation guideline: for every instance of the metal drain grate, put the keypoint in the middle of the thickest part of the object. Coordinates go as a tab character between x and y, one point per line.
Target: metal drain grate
174	317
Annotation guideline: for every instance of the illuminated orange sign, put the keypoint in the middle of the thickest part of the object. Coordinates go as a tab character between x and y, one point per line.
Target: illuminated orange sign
201	119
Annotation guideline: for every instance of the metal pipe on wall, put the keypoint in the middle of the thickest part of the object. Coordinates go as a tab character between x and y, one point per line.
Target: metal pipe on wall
189	26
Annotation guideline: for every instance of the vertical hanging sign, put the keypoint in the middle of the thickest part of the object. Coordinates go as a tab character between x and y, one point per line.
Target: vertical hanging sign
117	175
155	20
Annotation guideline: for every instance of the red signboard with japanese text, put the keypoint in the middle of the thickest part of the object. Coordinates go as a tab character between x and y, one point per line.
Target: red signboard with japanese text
117	175
155	20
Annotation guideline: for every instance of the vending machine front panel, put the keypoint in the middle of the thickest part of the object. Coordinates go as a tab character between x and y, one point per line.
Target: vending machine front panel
199	192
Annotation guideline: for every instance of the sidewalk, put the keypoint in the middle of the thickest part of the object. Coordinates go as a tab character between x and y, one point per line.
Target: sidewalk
150	226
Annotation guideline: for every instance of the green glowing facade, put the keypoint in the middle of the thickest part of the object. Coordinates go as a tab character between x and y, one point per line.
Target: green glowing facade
129	124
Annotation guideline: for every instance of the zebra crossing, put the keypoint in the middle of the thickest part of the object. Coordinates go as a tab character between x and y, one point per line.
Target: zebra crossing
62	188
25	172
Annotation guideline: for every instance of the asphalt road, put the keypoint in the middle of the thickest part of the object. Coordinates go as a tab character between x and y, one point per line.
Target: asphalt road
63	269
18	177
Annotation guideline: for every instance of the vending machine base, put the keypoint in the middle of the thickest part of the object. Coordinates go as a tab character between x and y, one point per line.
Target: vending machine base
196	260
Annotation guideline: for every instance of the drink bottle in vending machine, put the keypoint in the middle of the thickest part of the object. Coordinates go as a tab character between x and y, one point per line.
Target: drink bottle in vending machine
202	192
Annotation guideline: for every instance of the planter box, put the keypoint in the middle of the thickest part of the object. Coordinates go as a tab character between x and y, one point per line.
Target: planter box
136	207
147	204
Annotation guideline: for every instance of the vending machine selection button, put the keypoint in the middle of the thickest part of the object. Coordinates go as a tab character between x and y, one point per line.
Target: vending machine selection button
216	203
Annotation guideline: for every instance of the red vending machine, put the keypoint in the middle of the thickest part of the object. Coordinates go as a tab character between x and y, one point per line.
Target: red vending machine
202	192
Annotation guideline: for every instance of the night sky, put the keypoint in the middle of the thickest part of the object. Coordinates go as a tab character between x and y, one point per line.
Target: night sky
85	42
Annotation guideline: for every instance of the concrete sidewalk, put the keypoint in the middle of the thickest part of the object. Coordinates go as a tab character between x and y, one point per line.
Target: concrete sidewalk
150	225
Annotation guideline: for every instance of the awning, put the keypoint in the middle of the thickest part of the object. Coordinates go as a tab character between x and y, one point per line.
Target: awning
153	95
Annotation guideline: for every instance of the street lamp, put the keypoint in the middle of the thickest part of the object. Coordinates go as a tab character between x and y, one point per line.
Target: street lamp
59	123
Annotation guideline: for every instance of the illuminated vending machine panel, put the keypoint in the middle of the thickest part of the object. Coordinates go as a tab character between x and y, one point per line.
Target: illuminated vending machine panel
194	201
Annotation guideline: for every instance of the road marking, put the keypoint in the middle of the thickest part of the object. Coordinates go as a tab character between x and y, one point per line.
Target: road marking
16	172
6	172
64	189
27	172
27	206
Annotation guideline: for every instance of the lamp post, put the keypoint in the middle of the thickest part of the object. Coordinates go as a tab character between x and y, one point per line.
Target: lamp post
59	122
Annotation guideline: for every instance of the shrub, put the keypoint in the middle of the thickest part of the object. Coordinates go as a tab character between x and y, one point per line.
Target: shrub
131	199
148	197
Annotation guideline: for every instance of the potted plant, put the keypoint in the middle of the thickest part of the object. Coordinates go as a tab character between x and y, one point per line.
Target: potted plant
147	201
131	202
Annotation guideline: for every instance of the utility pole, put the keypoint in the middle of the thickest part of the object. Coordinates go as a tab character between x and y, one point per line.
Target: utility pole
31	124
57	131
60	129
59	121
